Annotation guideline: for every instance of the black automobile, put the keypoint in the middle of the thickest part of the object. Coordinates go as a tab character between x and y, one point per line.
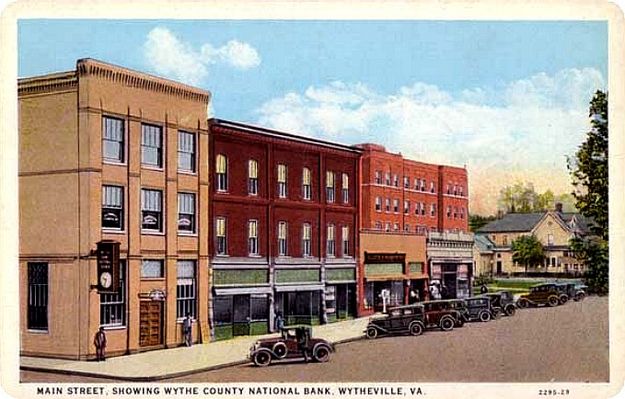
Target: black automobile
479	308
407	319
504	301
572	291
541	294
294	342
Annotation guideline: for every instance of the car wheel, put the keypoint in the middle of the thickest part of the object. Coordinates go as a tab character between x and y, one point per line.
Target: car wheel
416	329
459	322
262	358
372	333
484	316
322	354
580	296
447	323
563	299
510	310
280	350
523	303
553	301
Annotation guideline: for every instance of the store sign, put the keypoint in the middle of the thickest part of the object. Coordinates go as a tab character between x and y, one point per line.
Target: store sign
384	257
108	266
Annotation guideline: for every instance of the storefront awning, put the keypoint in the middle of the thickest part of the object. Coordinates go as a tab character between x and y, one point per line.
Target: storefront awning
386	277
306	287
242	290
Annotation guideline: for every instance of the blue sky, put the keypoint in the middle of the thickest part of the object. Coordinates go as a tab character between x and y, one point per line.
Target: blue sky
508	99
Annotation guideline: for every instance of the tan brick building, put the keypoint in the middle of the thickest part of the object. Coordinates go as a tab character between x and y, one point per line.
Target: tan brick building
107	153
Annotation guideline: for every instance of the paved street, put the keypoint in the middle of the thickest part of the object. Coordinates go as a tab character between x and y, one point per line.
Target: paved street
566	343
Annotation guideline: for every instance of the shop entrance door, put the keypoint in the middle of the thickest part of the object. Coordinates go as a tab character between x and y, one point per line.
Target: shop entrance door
150	323
241	319
449	279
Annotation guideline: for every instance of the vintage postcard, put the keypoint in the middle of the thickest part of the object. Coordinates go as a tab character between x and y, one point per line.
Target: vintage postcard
330	199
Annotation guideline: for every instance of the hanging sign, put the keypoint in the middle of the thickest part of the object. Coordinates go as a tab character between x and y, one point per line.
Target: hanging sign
108	266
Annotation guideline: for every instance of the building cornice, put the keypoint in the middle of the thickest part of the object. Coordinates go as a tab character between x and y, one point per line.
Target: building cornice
62	81
127	77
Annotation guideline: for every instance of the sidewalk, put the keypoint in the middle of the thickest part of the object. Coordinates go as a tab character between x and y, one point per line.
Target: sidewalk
168	363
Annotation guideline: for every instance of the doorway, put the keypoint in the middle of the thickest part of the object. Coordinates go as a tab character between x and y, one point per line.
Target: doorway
150	323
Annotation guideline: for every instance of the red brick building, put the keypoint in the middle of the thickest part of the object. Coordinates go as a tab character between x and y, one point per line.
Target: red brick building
407	200
284	219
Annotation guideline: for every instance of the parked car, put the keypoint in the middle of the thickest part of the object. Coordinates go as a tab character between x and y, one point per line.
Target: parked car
291	344
503	300
442	314
398	320
541	294
479	308
580	292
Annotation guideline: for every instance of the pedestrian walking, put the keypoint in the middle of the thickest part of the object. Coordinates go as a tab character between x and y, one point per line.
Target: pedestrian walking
100	344
186	329
279	322
414	296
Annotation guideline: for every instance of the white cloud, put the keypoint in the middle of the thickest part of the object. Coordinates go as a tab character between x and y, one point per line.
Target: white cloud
170	56
523	129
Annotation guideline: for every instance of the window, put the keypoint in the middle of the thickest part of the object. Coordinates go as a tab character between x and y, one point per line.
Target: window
406	182
422	208
462	213
282	234
388	205
396	226
550	239
416	208
504	240
151	146
460	191
282	181
186	151
151	210
378	177
395	180
387	178
449	211
185	289
306	184
221	168
345	188
113	207
407	228
151	268
416	184
113	140
306	236
378	225
448	189
37	312
396	205
220	234
387	226
432	209
331	245
186	212
330	186
406	207
252	237
378	204
455	212
455	190
252	177
345	237
113	306
432	188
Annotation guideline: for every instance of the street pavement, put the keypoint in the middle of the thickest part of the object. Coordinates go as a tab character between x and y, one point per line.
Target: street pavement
174	362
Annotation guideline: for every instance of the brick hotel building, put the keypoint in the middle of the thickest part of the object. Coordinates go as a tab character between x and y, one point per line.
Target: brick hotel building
284	219
414	219
106	153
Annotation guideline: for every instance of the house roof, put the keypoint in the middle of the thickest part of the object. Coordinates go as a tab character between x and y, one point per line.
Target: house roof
525	222
484	243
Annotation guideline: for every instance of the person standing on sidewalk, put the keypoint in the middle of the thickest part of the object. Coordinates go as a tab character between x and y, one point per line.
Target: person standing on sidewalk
186	329
279	322
100	344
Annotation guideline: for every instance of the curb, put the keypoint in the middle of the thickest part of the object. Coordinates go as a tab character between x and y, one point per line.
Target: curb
158	377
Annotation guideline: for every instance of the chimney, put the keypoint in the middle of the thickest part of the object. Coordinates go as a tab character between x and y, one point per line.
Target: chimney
559	207
500	214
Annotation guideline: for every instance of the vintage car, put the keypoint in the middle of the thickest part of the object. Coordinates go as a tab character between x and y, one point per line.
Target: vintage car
502	300
541	294
479	308
398	320
442	314
460	306
580	292
573	291
289	346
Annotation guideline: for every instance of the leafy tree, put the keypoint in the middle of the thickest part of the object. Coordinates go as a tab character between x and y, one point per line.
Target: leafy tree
528	251
523	198
589	173
476	222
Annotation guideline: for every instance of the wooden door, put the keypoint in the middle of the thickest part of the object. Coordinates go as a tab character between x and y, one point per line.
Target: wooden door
150	323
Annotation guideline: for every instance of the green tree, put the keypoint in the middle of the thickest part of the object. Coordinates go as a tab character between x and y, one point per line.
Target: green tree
589	173
523	198
528	251
476	222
